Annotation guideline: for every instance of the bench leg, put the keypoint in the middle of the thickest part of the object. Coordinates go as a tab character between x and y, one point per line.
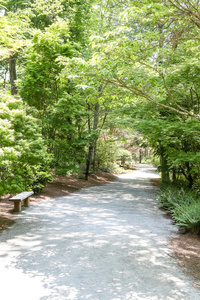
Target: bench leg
26	202
17	206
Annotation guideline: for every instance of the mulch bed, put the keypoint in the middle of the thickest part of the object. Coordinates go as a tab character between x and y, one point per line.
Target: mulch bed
186	249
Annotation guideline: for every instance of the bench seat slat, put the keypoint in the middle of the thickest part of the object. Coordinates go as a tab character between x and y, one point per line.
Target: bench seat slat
21	196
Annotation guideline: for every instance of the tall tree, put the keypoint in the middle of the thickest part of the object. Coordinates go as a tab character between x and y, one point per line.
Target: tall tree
132	58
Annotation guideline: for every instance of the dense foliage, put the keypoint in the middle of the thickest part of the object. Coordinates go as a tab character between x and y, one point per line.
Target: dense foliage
23	154
183	204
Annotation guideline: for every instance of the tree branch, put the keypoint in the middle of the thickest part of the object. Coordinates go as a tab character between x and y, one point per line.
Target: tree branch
185	112
144	95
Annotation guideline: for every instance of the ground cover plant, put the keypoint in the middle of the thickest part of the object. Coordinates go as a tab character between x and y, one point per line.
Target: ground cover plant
183	204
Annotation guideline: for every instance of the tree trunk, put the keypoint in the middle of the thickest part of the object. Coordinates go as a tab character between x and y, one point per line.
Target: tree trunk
164	165
140	156
89	158
94	154
189	177
70	135
13	73
91	147
174	175
164	169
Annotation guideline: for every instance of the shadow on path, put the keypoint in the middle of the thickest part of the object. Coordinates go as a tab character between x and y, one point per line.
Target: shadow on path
107	242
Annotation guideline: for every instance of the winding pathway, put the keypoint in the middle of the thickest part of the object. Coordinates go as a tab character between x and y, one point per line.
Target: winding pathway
101	243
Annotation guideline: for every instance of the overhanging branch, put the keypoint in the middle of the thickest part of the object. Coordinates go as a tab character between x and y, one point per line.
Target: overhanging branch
137	92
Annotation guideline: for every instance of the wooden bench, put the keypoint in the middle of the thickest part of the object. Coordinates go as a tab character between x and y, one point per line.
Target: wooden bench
18	199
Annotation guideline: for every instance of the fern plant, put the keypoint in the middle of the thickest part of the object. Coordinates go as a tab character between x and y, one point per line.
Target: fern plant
184	205
188	215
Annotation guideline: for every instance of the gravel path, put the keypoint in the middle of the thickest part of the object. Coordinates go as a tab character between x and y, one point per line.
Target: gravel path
101	243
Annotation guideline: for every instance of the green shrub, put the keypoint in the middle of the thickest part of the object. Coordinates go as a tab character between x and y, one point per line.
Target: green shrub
124	156
71	169
188	215
184	205
23	154
39	179
113	168
170	196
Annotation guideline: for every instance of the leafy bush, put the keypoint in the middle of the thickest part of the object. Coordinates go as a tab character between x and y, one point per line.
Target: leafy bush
184	205
71	169
109	154
39	180
124	156
23	153
188	215
171	195
113	168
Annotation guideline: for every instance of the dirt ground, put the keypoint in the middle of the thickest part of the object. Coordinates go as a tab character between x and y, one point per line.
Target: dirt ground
185	247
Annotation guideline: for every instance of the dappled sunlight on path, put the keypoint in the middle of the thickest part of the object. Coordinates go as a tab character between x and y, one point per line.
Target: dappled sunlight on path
107	242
